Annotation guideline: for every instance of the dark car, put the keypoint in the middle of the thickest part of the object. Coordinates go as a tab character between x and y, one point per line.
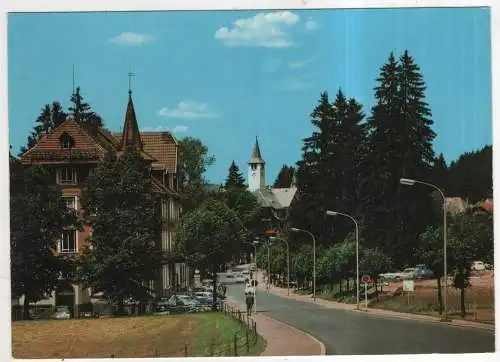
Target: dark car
423	272
178	304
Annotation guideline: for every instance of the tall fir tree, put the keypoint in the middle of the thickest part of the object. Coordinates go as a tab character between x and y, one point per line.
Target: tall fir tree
234	177
82	112
309	209
285	177
400	145
49	119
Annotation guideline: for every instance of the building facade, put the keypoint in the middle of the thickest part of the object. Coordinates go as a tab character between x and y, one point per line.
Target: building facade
72	152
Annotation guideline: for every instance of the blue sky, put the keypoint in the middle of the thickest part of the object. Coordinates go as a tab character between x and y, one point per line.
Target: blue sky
226	77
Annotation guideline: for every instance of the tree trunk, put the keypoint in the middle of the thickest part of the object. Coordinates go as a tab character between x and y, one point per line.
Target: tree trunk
440	295
214	293
462	301
26	307
375	280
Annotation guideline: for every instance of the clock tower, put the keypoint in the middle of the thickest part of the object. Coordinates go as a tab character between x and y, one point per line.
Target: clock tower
256	169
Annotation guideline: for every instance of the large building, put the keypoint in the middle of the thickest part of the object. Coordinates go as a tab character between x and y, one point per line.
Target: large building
275	202
72	151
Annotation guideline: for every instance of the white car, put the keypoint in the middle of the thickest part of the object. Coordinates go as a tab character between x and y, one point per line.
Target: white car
240	278
478	266
408	273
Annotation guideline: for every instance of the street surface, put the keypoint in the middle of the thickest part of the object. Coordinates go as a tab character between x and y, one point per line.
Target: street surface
354	333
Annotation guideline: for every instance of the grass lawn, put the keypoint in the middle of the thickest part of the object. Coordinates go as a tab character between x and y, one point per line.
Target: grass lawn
139	337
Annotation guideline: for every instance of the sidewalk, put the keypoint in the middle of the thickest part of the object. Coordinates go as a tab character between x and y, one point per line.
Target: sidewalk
282	292
282	339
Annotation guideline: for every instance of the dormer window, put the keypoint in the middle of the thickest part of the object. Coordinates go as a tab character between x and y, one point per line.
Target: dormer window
67	141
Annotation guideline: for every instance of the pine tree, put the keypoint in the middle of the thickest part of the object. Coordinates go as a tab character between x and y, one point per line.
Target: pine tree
400	145
312	174
82	112
234	177
49	119
285	177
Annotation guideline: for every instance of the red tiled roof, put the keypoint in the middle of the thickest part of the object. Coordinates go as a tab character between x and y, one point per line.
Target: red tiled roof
160	145
86	146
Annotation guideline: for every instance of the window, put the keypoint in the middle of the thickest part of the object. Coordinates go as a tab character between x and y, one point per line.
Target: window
164	240
163	209
171	209
66	176
67	141
71	202
165	276
68	242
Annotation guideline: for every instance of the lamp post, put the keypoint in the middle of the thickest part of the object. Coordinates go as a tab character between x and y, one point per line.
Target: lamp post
335	213
296	230
412	182
272	238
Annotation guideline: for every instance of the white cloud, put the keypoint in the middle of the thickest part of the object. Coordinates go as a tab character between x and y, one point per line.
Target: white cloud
295	85
310	24
264	30
128	38
297	64
188	109
180	129
177	129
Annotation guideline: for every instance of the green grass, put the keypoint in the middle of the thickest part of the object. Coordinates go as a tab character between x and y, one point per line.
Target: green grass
215	336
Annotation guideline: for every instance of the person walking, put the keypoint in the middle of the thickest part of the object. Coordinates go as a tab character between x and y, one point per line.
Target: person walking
250	300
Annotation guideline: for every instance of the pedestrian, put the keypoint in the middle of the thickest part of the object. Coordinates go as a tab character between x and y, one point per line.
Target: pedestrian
250	300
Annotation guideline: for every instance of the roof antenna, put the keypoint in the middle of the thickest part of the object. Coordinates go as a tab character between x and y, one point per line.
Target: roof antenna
73	78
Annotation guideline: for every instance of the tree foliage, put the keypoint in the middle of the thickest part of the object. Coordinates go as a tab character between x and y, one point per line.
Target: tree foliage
38	215
234	177
122	255
82	112
49	119
285	177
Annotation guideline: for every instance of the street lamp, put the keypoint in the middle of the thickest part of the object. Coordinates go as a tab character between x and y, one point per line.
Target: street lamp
335	213
296	230
272	238
411	182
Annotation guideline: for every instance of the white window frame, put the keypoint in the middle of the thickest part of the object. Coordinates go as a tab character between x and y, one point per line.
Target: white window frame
164	240
165	276
61	172
74	200
171	209
61	248
163	209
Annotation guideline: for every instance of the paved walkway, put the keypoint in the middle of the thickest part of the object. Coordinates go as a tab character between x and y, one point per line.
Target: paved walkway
282	339
283	292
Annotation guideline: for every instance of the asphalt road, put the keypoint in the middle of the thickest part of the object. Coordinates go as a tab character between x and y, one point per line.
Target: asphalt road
353	333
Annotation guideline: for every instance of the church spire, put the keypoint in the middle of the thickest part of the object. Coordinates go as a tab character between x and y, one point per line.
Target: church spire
131	136
256	156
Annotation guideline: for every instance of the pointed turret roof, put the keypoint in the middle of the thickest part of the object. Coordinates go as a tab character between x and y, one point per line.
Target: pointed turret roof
256	156
131	136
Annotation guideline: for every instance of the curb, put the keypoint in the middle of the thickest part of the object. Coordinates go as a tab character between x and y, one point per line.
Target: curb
388	314
321	344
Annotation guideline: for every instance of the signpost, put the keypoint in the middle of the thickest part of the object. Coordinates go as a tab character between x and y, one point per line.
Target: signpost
366	279
408	287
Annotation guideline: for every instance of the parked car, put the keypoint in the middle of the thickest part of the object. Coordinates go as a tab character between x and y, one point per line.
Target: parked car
390	276
62	313
408	273
178	304
478	266
229	279
423	272
240	278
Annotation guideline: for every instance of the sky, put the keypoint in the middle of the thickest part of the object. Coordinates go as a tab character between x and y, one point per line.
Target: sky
229	76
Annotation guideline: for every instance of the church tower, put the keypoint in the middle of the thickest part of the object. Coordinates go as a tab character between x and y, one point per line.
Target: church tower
256	169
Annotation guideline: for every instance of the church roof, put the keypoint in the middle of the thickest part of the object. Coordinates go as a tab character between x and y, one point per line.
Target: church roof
275	198
131	136
256	155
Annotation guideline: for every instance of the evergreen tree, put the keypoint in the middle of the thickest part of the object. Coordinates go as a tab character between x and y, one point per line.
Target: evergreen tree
123	255
400	145
38	215
234	178
471	176
49	119
309	208
82	112
285	177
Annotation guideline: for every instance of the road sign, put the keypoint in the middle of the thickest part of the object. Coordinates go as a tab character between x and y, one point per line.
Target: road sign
408	285
365	279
